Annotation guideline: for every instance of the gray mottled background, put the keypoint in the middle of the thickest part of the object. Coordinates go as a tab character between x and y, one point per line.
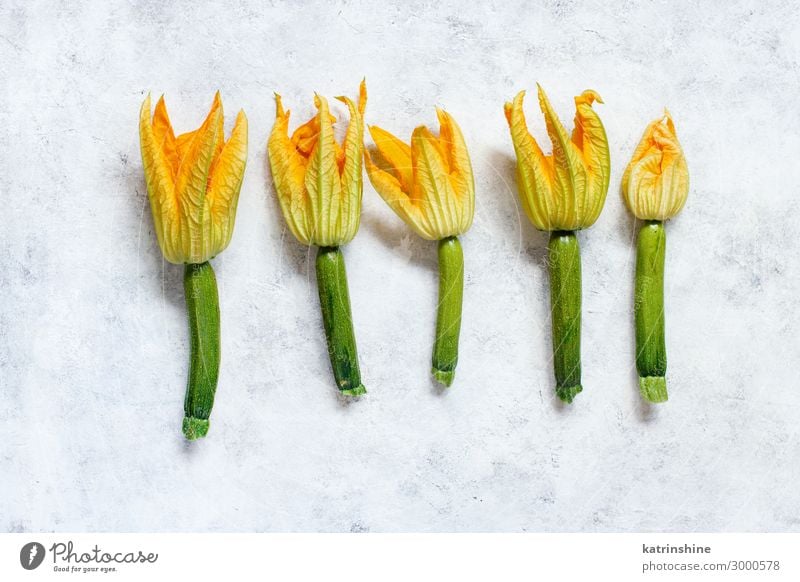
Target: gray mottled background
93	334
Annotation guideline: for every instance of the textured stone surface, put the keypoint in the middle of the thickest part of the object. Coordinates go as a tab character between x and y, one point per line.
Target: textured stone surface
93	338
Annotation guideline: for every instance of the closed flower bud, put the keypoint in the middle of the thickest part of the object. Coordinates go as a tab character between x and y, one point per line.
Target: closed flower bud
656	182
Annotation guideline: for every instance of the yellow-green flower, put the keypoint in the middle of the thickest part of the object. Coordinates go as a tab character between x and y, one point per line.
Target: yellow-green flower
561	193
193	181
319	186
565	190
319	182
429	183
656	182
655	186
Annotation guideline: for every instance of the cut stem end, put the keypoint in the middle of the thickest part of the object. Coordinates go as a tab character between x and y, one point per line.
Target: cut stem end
194	428
568	393
443	376
357	391
653	388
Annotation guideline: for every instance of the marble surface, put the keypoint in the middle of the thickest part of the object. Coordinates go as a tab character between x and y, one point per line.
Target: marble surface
93	334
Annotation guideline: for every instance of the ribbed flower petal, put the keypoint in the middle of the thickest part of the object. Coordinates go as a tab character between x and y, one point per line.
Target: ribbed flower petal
438	201
226	183
165	136
395	152
534	172
160	188
570	175
351	168
590	137
460	166
322	181
390	189
288	175
191	185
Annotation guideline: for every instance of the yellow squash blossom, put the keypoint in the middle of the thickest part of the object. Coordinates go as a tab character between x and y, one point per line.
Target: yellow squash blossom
655	186
318	181
429	183
319	186
656	182
567	189
193	181
561	193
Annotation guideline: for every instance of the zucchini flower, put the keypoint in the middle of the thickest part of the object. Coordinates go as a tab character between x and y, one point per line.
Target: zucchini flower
562	193
429	185
193	183
655	186
319	184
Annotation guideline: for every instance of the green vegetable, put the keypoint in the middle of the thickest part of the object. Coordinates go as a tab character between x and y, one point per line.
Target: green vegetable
565	306
202	303
448	320
651	349
334	300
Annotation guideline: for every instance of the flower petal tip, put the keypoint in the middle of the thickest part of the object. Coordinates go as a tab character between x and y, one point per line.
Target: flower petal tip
421	131
362	96
507	110
443	116
544	101
279	111
588	97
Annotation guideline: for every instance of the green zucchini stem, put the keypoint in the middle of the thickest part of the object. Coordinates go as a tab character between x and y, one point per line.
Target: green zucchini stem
448	319
651	349
202	304
565	308
334	300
